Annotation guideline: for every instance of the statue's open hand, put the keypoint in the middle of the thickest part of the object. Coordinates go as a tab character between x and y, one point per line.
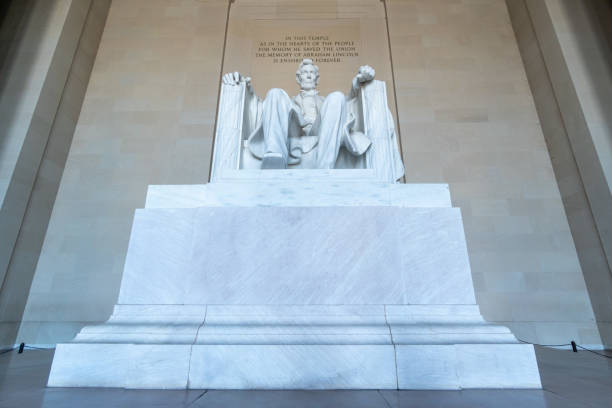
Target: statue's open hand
235	78
366	74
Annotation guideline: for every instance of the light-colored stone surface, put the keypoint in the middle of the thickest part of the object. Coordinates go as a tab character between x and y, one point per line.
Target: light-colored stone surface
266	194
463	366
586	53
564	50
465	114
148	324
295	324
467	118
353	131
425	367
296	366
497	366
299	297
24	87
294	188
295	347
147	118
27	106
443	324
293	367
308	115
121	365
297	255
360	21
41	157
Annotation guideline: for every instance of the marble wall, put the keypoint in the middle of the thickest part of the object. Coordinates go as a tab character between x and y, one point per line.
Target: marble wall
554	38
362	22
48	49
466	116
147	118
27	104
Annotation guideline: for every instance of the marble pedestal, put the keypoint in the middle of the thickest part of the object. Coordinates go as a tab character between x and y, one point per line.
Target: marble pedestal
307	279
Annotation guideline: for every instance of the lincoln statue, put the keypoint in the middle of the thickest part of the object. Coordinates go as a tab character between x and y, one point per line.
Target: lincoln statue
292	127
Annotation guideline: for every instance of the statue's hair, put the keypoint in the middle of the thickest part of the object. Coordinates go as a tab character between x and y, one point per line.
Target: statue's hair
305	62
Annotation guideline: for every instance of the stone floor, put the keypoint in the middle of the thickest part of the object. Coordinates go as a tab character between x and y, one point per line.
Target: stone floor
570	379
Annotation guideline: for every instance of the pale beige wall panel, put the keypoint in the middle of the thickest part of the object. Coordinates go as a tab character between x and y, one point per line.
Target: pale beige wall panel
147	118
33	228
31	82
468	118
45	66
565	49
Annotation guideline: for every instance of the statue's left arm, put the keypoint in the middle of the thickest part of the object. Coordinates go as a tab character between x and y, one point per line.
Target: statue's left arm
366	74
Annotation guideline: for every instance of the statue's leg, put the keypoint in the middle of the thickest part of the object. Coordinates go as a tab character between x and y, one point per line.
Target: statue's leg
333	118
275	121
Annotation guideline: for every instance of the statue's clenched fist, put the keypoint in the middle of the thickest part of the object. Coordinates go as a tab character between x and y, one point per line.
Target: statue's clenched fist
235	78
366	74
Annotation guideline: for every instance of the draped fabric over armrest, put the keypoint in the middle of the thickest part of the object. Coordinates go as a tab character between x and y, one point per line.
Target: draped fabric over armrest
228	134
384	155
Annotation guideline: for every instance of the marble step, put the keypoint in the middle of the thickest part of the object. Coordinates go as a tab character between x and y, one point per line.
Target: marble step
295	347
296	324
299	175
298	194
295	366
298	188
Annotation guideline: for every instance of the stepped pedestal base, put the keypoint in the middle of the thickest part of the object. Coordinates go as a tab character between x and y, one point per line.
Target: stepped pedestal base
296	347
282	280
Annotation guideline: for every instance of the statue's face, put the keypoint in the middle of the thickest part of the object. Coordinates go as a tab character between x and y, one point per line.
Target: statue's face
308	78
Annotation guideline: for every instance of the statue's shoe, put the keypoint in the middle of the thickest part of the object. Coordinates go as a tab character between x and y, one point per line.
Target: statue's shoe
273	162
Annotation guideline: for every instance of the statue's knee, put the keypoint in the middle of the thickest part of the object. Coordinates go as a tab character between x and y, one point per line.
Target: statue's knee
335	98
276	93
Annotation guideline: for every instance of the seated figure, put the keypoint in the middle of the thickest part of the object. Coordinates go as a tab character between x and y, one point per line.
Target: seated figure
307	131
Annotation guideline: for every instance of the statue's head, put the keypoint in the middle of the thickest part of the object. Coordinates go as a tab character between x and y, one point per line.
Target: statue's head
307	75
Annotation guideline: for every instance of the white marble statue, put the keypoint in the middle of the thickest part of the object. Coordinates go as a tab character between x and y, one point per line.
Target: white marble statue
311	131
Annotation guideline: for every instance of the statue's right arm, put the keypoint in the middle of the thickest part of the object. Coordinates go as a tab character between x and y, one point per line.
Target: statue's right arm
235	78
252	101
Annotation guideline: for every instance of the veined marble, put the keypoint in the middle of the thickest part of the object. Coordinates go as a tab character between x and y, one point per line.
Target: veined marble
305	347
298	288
298	188
297	255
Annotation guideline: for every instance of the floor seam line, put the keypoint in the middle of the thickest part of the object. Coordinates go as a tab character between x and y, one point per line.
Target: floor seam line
566	398
384	399
197	399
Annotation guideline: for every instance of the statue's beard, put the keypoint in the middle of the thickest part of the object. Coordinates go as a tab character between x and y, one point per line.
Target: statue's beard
308	85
